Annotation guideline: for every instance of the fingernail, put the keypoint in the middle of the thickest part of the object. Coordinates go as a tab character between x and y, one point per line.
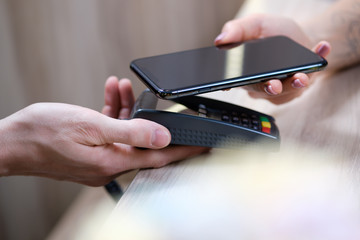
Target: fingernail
220	36
297	84
160	138
323	50
269	90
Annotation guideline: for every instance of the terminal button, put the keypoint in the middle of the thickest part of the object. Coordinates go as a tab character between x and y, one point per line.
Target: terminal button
265	125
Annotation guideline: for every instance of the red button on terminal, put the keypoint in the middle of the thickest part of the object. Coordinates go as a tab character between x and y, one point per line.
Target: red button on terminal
266	130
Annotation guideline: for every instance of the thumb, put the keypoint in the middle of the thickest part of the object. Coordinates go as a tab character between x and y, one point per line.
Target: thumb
135	132
241	29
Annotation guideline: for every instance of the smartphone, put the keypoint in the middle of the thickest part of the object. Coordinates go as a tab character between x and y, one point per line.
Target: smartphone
214	68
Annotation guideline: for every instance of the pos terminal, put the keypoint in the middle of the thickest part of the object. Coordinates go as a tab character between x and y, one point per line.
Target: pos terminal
208	122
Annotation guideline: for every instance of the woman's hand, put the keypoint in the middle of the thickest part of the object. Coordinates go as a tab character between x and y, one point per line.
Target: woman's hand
259	26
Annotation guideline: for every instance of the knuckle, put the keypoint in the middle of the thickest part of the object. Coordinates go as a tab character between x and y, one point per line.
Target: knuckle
139	133
229	25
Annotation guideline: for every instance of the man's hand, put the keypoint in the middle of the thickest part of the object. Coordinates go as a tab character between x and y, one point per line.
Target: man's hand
73	143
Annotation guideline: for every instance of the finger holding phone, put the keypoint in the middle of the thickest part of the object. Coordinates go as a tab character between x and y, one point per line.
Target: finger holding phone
260	26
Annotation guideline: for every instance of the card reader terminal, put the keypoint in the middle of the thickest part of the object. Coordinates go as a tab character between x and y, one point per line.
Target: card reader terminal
208	122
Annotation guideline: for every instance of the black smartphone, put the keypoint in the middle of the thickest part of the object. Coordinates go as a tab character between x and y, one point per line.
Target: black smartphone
214	68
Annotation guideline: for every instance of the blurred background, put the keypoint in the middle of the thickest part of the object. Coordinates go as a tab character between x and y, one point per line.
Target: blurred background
63	51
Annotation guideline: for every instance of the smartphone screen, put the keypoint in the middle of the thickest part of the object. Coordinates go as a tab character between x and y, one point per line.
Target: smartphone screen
214	68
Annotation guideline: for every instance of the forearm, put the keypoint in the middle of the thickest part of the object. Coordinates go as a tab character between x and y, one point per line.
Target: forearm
340	26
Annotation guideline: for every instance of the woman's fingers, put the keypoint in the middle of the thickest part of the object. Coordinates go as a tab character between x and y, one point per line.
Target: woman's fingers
323	49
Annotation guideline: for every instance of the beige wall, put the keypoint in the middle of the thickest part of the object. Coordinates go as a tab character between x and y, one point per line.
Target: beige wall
52	50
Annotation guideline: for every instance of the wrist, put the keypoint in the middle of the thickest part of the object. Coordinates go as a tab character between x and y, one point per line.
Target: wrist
5	142
14	159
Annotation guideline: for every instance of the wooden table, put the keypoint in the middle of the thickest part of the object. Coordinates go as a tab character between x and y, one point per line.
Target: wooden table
307	190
